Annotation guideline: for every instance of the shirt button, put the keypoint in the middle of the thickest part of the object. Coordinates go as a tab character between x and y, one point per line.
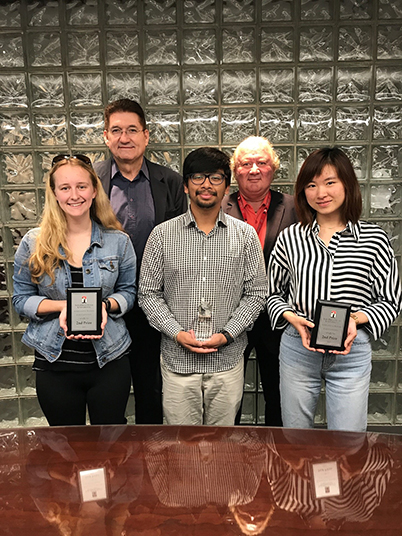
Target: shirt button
87	271
205	258
204	278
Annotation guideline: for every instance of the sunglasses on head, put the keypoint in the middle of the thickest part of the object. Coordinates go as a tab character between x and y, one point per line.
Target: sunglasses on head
80	157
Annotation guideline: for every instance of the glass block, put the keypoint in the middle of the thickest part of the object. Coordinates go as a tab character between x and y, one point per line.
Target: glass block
44	49
316	9
260	409
43	13
17	233
302	154
87	128
161	48
17	168
238	45
385	199
165	157
82	12
353	84
249	409
83	49
352	123
13	90
387	162
238	87
316	44
85	89
237	124
199	47
250	383
23	353
390	9
389	42
10	14
51	129
22	205
359	158
9	413
199	12
382	375
4	314
162	88
47	90
387	123
8	384
122	48
201	127
45	163
14	129
121	12
130	410
394	232
399	408
276	45
11	53
164	127
286	167
200	87
123	86
238	11
32	414
26	380
6	349
315	85
355	43
276	85
277	124
320	411
314	124
379	408
3	278
388	84
277	10
350	9
160	11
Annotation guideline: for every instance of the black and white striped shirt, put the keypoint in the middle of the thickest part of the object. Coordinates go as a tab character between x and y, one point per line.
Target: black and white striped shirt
358	267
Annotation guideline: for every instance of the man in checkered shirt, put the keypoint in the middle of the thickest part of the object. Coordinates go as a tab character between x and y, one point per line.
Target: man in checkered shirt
202	284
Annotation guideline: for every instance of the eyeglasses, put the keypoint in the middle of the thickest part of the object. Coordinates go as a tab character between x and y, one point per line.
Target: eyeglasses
80	157
259	165
214	178
131	132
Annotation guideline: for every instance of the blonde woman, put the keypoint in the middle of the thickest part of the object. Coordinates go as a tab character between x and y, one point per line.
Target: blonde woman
78	244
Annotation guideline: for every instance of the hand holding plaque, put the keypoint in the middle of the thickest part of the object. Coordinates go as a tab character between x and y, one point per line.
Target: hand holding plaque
84	311
331	322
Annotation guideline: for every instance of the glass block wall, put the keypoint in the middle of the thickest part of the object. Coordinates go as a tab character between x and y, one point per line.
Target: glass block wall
304	73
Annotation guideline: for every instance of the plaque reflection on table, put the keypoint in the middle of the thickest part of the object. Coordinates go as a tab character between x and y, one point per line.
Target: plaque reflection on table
84	311
331	325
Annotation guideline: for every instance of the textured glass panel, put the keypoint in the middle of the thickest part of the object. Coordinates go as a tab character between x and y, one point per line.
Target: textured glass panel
358	156
316	9
17	168
196	11
250	376
276	46
394	232
238	45
286	167
387	162
388	84
85	89
123	86
315	85
385	200
352	9
163	127
162	88
314	124
3	278
22	205
17	234
6	349
165	157
31	412
277	124
388	123
379	408
353	84
199	47
277	10
45	163
11	51
43	13
316	44
238	10
9	413
355	43
122	48
14	129
249	409
201	127
51	129
87	128
4	315
47	90
352	123
161	48
83	48
237	125
7	381
82	12
26	380
389	9
13	90
44	49
382	375
276	85
200	87
121	12
10	14
238	87
160	11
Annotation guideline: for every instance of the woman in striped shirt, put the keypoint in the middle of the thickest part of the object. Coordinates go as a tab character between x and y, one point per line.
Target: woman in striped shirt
330	255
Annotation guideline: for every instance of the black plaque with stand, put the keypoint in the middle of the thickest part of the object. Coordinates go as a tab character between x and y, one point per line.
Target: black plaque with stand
331	322
84	311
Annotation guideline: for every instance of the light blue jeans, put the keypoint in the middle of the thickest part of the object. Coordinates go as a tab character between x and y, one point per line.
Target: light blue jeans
346	377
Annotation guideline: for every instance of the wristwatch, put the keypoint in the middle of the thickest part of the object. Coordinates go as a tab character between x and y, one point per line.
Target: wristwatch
228	337
108	304
355	318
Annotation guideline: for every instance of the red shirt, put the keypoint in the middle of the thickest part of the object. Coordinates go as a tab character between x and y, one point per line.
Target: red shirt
257	219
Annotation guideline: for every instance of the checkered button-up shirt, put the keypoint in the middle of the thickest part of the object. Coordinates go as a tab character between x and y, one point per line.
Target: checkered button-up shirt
182	265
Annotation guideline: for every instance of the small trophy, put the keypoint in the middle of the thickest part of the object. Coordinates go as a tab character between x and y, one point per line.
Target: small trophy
202	325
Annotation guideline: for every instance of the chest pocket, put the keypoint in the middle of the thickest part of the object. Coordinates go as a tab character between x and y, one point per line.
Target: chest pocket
109	271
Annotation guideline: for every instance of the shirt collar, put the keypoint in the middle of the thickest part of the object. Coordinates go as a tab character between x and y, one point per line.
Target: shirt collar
189	219
351	228
116	170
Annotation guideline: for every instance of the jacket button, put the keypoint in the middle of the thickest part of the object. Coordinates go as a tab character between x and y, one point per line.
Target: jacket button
87	271
112	266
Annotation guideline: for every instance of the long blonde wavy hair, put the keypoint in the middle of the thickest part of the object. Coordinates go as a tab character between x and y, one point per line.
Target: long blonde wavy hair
53	227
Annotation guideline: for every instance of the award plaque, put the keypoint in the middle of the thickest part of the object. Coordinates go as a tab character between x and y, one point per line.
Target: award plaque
331	325
84	311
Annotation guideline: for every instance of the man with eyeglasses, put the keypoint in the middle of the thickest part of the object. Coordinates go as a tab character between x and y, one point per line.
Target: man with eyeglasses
253	164
202	284
142	194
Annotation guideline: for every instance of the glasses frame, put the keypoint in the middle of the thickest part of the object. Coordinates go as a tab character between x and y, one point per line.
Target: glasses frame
81	157
206	176
125	130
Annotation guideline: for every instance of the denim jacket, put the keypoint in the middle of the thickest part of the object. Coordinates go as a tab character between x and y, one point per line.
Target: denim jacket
109	263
